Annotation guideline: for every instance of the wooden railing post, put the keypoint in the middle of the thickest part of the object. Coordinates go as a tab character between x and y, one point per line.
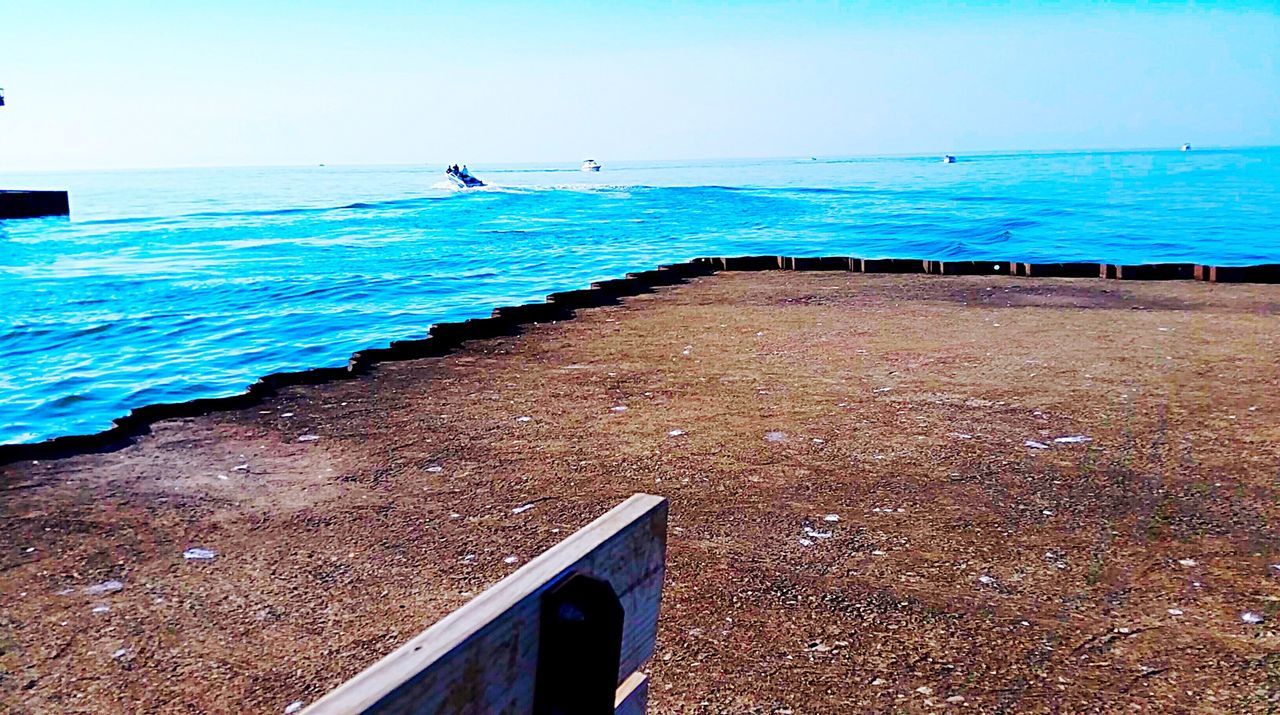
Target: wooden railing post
579	649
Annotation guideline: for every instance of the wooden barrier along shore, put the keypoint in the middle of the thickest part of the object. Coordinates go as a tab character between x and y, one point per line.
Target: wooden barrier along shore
568	633
33	204
443	338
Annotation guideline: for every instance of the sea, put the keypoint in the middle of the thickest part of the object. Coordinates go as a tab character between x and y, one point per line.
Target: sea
166	285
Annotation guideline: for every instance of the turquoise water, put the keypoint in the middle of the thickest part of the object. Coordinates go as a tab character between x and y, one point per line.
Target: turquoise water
168	285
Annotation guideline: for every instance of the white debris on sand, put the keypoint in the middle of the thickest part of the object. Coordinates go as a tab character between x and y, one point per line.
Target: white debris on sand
510	560
105	587
1035	445
986	580
775	436
1175	611
199	554
961	435
1187	562
1252	617
101	609
435	470
878	552
831	517
524	418
675	433
814	533
308	437
1074	439
522	509
924	690
293	707
618	408
806	542
120	653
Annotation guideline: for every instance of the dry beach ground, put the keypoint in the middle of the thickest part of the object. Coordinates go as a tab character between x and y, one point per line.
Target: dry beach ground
963	567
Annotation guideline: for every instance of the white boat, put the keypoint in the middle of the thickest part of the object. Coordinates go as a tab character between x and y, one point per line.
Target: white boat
462	178
591	165
1186	147
948	159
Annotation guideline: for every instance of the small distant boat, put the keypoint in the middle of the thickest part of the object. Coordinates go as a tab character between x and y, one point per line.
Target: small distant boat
462	178
948	159
1	97
591	165
1186	147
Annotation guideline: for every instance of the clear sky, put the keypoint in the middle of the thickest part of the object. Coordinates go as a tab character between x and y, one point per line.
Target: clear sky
176	83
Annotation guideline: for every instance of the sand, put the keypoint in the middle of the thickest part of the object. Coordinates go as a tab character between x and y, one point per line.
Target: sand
966	569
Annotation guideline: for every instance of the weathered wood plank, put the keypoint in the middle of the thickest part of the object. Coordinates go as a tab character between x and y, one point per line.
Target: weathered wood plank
482	658
633	695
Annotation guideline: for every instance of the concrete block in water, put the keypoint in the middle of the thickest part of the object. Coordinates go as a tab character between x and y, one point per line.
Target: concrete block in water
33	204
820	263
892	265
750	263
1149	272
1264	273
1058	270
967	268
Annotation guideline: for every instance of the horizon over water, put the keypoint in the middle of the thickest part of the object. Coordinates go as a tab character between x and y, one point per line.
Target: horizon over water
172	284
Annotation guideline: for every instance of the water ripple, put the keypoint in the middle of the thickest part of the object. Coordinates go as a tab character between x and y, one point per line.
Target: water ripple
170	285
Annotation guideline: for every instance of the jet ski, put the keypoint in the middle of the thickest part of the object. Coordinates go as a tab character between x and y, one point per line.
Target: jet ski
462	178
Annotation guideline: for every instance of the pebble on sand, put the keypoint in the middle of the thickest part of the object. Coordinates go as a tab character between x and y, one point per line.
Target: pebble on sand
105	587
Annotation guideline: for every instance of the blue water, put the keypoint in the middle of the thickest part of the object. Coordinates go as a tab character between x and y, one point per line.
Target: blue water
168	285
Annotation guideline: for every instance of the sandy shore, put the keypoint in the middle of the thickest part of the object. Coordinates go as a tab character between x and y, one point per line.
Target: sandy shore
966	568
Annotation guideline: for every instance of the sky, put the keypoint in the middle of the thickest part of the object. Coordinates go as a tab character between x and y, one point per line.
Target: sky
147	83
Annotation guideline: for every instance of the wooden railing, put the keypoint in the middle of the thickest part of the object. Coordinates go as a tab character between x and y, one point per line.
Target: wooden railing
566	634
